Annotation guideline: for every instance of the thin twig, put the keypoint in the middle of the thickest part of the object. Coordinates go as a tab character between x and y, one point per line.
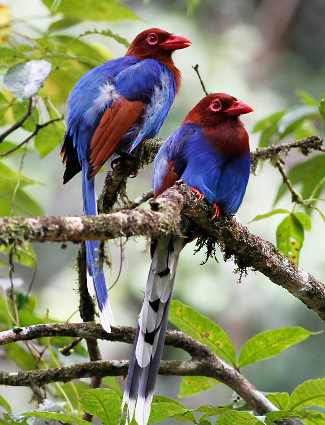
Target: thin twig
139	200
38	127
196	69
272	153
19	122
295	197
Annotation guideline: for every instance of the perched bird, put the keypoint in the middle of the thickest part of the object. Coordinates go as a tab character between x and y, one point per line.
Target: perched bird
112	108
210	151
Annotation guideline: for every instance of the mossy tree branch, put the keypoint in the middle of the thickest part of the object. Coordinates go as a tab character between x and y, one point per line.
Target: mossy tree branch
203	361
235	240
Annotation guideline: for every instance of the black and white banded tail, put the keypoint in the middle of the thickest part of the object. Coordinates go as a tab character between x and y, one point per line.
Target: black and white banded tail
152	324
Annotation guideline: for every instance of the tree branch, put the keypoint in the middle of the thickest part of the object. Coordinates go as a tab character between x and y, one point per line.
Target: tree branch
128	165
235	240
37	128
203	363
19	122
273	152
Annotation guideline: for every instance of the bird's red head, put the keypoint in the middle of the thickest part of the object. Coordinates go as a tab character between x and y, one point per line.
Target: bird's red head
218	114
216	108
155	43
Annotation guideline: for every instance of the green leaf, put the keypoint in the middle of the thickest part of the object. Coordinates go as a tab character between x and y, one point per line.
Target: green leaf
7	146
191	385
24	80
73	391
3	118
93	10
304	219
5	404
268	128
14	418
280	400
23	255
308	173
205	422
322	108
161	411
17	354
306	98
290	237
305	128
238	418
24	203
113	383
203	330
269	214
3	99
191	6
293	118
63	24
313	418
185	416
19	109
9	178
48	138
55	416
10	56
270	343
210	410
104	403
309	393
282	414
80	48
108	33
4	316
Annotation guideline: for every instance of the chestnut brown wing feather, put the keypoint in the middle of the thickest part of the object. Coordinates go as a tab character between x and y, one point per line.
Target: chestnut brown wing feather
170	178
115	123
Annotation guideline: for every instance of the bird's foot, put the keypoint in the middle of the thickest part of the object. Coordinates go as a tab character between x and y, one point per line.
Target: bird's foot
197	193
216	212
134	174
117	160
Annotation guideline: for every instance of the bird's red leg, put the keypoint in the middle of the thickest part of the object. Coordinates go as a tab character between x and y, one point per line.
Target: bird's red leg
216	211
197	193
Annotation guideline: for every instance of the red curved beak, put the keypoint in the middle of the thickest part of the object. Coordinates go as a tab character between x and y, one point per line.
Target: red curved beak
238	108
175	42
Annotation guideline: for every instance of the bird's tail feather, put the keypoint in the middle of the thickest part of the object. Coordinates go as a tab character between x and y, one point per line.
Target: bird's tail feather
95	269
150	336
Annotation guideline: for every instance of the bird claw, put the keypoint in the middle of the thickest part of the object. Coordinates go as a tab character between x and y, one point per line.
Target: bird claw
117	160
134	174
197	193
216	212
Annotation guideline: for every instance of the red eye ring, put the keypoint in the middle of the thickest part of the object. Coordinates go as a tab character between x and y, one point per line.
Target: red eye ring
152	38
215	105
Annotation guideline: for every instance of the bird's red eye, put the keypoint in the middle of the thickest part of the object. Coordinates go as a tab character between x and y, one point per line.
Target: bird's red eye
152	38
215	106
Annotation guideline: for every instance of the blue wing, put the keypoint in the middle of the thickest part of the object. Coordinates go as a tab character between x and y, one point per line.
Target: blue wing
189	154
106	87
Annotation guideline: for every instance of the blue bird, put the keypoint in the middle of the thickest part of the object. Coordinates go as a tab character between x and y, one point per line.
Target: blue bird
210	151
112	108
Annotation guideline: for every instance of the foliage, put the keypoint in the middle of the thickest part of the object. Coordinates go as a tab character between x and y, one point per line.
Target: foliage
38	76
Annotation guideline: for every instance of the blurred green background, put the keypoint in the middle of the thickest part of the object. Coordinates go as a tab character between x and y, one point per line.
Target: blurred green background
261	51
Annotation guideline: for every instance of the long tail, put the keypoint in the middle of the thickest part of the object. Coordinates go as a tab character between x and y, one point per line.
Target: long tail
93	267
150	336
